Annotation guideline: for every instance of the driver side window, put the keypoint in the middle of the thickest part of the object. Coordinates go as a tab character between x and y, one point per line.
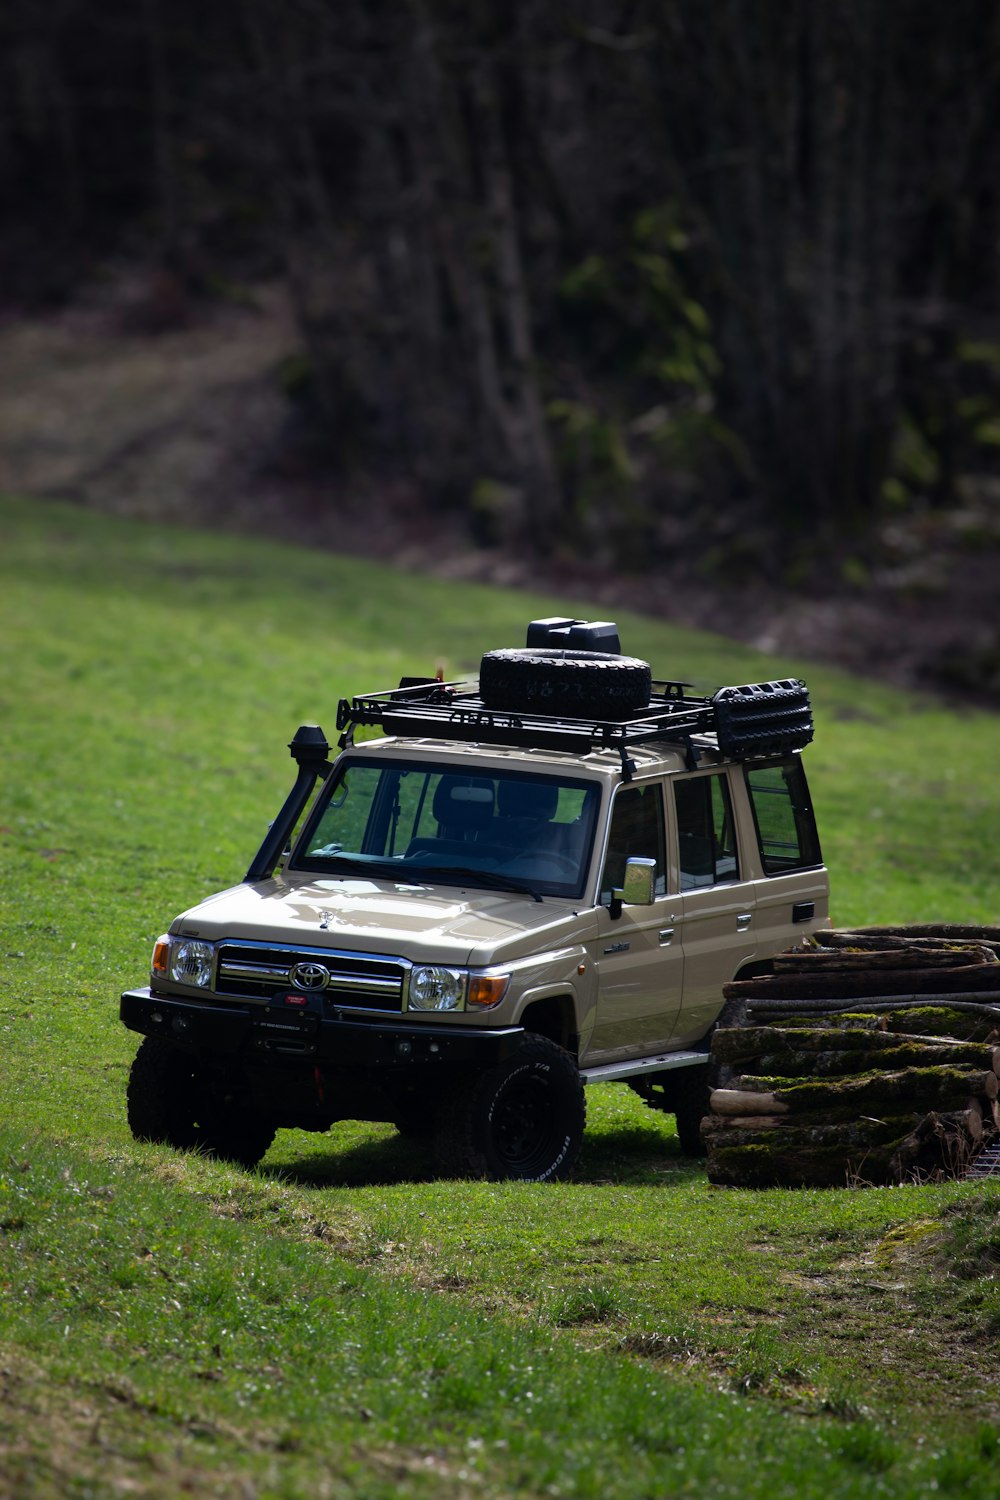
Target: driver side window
636	829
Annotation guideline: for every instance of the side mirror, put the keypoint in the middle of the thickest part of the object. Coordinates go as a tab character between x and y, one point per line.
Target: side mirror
638	887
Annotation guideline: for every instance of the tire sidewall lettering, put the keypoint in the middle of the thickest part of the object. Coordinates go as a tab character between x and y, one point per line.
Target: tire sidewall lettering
501	1092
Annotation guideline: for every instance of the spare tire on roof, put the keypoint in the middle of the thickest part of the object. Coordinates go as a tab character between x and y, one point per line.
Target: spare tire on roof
579	684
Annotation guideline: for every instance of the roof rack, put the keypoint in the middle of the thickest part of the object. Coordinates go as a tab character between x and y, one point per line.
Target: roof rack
757	719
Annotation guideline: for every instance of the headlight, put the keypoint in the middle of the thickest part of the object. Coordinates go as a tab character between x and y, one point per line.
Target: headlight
188	962
191	963
437	989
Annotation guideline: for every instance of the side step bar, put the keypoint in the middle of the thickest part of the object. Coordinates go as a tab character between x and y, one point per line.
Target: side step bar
612	1072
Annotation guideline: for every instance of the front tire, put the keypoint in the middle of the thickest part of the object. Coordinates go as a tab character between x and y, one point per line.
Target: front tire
171	1102
522	1120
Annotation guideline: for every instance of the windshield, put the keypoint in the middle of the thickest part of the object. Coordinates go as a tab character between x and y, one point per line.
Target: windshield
419	822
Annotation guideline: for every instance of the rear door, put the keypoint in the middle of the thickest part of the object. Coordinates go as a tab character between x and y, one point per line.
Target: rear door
715	905
793	897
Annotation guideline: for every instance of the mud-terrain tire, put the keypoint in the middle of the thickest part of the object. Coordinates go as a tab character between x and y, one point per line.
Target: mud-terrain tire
683	1093
523	1119
169	1102
690	1102
579	684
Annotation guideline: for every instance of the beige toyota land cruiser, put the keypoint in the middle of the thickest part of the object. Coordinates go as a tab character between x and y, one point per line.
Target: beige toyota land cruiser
530	883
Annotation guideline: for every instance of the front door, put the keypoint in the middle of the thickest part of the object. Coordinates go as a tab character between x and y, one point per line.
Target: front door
637	956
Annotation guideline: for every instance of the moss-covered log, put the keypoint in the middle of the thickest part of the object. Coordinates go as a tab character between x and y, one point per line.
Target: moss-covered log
838	1062
908	1020
759	1166
844	1020
731	1044
821	1127
849	961
716	1122
956	932
782	1133
937	1144
979	979
927	1088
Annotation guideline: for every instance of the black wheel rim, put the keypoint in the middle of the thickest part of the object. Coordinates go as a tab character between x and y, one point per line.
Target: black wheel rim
524	1128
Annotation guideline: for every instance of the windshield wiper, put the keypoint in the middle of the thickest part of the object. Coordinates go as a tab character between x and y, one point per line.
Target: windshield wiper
469	875
410	873
347	864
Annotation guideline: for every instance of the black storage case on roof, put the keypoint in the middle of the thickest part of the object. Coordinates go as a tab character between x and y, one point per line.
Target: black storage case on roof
574	635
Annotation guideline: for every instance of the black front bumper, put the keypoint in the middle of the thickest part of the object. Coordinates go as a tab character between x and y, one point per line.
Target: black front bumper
251	1034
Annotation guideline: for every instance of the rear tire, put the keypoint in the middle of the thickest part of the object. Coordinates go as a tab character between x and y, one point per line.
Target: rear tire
522	1120
172	1102
683	1093
690	1108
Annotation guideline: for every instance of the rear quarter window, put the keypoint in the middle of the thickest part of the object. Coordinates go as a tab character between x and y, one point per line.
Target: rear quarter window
783	815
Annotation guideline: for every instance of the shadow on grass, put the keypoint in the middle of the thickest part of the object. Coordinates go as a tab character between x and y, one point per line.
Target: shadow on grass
629	1155
623	1155
371	1163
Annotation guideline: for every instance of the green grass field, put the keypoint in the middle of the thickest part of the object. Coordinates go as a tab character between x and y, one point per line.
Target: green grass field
340	1322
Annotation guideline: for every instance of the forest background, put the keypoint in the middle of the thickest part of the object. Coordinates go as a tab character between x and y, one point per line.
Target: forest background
693	302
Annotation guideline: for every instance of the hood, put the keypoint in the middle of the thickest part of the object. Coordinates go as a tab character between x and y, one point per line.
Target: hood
444	924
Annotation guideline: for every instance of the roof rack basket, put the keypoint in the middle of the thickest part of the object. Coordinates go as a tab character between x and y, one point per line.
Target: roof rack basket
755	720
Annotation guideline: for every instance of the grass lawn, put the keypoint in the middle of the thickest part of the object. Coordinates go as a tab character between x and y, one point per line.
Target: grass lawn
341	1322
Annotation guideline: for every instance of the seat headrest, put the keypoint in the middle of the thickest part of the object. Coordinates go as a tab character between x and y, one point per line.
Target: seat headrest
528	799
463	801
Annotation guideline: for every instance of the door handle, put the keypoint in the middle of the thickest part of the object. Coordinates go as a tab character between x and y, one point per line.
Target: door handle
666	933
743	921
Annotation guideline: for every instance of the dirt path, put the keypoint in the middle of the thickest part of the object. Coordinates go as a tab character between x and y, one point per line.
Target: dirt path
95	410
190	424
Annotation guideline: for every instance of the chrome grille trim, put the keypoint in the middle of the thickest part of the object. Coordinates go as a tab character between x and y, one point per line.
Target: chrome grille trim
261	972
268	974
372	981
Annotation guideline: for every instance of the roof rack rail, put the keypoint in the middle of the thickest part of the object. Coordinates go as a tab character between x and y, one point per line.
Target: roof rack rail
757	719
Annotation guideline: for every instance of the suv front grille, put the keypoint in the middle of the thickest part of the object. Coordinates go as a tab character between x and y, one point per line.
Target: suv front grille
261	971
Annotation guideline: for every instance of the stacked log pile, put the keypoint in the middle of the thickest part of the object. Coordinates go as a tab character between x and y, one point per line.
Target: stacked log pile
868	1057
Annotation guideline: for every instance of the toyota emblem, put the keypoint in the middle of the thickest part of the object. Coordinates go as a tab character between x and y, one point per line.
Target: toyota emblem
310	976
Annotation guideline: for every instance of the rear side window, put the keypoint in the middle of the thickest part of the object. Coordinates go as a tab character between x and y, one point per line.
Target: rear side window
706	835
786	828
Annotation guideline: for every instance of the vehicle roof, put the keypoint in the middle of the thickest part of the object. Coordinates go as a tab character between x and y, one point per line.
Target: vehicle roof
607	764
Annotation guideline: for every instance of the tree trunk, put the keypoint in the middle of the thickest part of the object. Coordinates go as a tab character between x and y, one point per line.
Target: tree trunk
531	442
